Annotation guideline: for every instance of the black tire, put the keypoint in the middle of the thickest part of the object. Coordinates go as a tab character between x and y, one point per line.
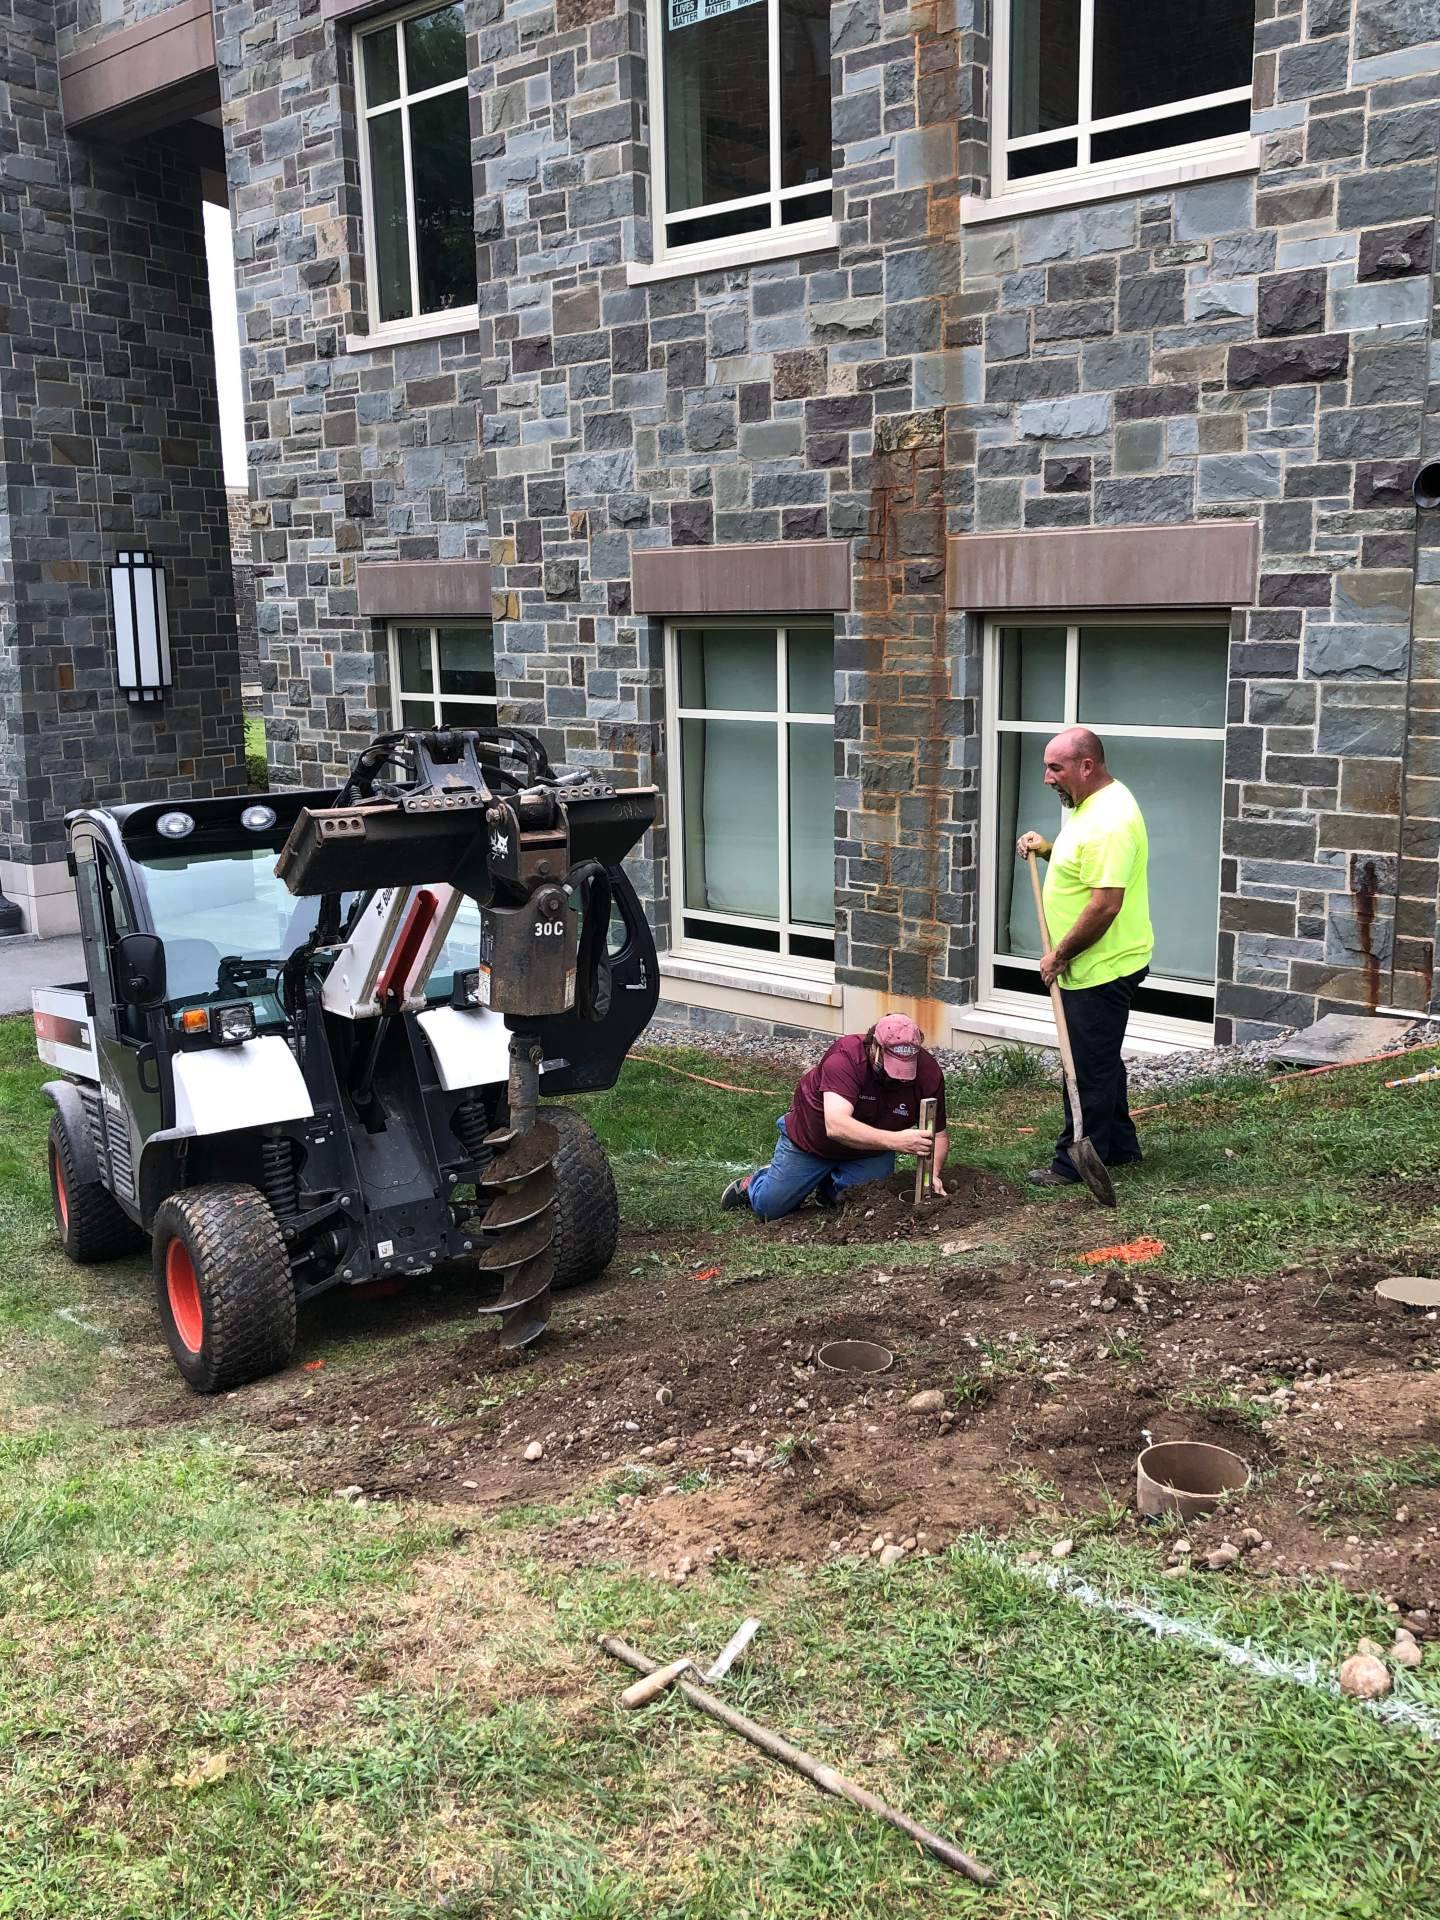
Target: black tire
89	1219
587	1209
223	1285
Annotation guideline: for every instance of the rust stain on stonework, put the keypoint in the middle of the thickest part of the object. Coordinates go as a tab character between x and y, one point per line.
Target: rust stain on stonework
900	613
1365	887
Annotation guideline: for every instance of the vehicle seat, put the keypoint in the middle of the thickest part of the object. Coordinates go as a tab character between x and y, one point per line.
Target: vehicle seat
191	967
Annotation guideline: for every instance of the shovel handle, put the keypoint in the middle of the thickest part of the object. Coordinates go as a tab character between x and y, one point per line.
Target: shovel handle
1067	1058
639	1692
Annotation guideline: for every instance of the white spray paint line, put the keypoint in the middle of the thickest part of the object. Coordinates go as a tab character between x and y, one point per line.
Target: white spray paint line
73	1317
1304	1672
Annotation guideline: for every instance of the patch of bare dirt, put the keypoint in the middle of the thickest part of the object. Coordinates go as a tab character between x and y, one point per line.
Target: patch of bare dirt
886	1210
702	1379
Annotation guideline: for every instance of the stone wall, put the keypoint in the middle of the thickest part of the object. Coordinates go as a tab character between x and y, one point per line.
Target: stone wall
110	430
1250	347
372	454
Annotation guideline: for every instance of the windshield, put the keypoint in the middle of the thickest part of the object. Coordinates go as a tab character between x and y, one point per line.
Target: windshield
207	906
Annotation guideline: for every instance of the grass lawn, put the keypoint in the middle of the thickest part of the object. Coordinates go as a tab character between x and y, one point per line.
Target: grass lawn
225	1698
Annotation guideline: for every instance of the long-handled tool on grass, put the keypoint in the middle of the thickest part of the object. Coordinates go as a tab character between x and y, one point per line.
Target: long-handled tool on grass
826	1778
1083	1157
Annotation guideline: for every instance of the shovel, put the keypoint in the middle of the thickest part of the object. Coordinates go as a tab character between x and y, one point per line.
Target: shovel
1083	1157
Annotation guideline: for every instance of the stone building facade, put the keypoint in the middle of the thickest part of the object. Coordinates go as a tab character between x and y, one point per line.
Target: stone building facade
1138	441
109	442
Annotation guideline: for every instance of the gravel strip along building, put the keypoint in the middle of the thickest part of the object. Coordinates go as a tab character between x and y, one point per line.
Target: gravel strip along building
805	407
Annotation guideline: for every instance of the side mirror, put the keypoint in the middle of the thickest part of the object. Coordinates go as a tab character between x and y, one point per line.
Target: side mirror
140	969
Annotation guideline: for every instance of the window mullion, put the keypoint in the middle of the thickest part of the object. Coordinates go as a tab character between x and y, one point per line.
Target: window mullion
435	672
782	785
772	18
1087	80
1072	676
403	67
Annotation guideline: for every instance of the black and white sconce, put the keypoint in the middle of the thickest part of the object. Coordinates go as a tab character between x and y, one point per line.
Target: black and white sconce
142	625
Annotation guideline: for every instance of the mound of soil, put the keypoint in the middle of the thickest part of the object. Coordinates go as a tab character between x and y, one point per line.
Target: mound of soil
886	1210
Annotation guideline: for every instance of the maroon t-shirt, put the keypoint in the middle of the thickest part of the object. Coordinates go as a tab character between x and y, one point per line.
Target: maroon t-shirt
878	1101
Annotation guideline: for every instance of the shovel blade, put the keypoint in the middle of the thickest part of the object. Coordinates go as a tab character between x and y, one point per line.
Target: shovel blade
1093	1171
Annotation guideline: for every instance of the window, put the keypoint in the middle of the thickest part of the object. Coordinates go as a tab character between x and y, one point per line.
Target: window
415	164
1094	86
752	802
1155	692
443	675
741	107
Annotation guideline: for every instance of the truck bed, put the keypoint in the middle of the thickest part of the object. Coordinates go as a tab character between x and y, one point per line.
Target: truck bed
65	1031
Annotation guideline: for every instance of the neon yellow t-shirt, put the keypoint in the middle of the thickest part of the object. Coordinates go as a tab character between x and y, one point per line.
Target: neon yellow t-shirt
1102	843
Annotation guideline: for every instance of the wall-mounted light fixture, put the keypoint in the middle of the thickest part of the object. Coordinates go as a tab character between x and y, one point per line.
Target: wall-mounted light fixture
142	625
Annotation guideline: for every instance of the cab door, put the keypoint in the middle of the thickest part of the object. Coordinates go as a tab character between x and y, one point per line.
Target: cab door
130	1100
585	1056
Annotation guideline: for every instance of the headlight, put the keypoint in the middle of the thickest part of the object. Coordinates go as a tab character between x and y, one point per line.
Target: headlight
257	819
232	1025
472	988
175	826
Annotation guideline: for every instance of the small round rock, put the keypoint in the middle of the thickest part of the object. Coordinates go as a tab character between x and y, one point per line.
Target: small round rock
534	1451
1364	1677
931	1401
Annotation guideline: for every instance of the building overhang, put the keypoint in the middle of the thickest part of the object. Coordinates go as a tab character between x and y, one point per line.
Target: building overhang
780	576
423	589
1205	563
158	73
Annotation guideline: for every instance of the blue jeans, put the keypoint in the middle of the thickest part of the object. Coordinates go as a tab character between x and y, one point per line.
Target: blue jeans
779	1188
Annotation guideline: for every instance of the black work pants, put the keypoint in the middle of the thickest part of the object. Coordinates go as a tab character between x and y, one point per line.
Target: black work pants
1097	1017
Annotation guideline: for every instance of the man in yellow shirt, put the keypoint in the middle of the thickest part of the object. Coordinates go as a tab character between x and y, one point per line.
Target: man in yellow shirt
1097	903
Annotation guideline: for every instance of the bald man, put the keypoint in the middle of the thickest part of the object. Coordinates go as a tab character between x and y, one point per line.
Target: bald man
1097	904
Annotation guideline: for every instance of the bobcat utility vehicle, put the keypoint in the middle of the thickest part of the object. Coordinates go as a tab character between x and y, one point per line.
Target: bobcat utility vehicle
316	1027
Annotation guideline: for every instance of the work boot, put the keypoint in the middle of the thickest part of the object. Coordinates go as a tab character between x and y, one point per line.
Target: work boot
826	1198
1048	1177
737	1194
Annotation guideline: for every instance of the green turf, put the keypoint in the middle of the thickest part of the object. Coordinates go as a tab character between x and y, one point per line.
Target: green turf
224	1698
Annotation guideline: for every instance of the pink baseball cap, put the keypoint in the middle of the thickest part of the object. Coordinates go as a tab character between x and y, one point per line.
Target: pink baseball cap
900	1041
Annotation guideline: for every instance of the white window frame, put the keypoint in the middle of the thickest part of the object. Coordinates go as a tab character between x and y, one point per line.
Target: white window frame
1003	1000
759	960
414	325
1184	157
486	705
775	242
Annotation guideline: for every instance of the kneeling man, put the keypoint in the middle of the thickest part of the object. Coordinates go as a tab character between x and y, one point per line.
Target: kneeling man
848	1119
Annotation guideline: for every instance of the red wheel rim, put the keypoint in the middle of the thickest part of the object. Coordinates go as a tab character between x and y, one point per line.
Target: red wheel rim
62	1198
183	1291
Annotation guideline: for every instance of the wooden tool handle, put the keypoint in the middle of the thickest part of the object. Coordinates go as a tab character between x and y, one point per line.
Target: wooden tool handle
922	1165
824	1777
655	1681
1062	1032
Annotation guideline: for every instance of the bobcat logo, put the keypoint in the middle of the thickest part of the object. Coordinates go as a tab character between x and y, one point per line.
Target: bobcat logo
500	845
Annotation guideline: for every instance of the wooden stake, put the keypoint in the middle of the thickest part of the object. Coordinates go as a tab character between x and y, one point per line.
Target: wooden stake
922	1166
826	1778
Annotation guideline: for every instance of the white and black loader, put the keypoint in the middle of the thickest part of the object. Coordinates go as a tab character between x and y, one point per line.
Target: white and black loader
317	1027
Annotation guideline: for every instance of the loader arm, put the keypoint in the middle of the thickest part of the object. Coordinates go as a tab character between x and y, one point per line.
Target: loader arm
531	851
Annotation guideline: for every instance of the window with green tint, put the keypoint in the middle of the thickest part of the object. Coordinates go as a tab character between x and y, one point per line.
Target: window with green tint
728	668
1154	690
810	671
419	190
1032	673
1153	676
753	788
